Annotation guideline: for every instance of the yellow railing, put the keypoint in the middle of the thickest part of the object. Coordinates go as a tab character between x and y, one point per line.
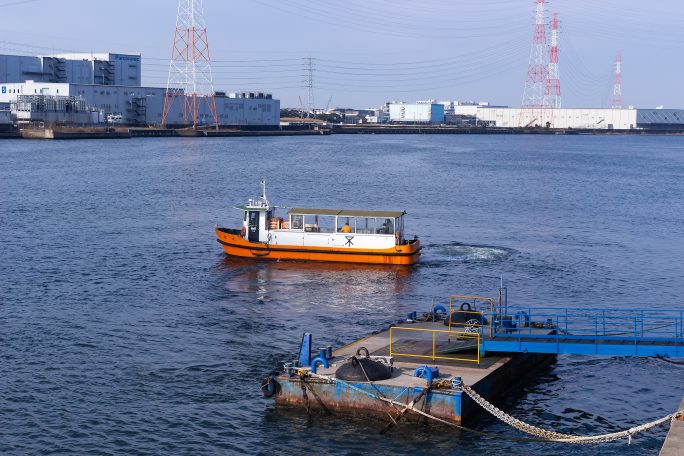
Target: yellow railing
460	335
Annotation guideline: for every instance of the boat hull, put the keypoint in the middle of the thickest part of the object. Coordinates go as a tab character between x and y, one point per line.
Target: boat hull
234	245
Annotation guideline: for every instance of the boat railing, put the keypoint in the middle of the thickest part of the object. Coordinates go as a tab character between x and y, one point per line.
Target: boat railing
230	231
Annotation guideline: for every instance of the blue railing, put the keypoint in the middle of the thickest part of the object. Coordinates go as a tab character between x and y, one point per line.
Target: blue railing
643	325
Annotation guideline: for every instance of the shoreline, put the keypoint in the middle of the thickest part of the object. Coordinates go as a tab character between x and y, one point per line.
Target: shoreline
65	133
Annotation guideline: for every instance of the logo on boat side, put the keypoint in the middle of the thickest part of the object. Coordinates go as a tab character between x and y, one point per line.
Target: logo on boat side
349	241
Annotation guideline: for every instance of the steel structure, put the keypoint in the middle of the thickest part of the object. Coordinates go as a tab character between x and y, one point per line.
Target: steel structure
309	83
552	93
586	331
533	95
617	87
190	79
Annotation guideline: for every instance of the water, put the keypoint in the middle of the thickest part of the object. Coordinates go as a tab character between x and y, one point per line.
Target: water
125	330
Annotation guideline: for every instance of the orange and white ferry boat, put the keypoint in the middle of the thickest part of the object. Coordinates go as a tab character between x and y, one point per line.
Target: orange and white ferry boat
347	236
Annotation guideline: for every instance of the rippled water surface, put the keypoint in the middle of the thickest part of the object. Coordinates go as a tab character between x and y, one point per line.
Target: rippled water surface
125	330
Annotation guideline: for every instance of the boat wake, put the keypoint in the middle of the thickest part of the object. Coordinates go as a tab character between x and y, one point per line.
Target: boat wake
463	253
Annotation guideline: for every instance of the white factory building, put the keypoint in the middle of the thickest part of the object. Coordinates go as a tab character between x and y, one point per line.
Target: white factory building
420	112
575	118
39	89
144	105
103	69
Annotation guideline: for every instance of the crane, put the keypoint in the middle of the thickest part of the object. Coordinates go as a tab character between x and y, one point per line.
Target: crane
328	104
301	108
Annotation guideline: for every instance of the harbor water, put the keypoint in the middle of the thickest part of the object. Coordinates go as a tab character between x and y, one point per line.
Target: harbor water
125	329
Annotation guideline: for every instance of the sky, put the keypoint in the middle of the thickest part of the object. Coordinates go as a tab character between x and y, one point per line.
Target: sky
365	53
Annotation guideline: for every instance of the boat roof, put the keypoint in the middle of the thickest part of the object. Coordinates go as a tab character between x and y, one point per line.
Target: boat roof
346	212
251	208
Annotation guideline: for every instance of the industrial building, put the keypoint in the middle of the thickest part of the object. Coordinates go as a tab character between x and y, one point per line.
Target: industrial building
108	85
143	105
102	69
52	109
575	118
427	113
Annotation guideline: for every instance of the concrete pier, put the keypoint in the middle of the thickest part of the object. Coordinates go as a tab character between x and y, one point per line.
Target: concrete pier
674	442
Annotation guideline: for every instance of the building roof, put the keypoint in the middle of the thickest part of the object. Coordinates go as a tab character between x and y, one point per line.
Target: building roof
346	213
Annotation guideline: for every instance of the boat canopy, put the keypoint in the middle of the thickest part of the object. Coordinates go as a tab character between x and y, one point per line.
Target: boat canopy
346	213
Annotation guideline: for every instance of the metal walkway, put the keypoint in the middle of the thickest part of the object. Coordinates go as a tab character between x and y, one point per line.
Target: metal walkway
612	332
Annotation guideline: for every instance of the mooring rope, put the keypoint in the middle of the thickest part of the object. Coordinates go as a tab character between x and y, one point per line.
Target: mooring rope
543	434
565	438
662	358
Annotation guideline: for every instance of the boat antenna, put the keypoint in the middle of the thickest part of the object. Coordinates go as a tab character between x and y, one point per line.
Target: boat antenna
263	191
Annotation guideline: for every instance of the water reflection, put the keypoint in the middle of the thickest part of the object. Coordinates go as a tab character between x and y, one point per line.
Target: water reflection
339	284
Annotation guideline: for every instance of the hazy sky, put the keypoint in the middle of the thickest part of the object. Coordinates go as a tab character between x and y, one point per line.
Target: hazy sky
368	52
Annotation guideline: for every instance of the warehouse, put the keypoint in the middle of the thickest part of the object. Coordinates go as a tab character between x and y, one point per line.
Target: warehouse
110	86
576	118
102	68
427	113
143	105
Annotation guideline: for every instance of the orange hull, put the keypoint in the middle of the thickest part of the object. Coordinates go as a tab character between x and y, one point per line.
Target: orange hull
235	245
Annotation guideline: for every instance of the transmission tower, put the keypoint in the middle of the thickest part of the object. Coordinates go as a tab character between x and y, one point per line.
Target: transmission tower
617	88
533	95
552	93
309	65
190	80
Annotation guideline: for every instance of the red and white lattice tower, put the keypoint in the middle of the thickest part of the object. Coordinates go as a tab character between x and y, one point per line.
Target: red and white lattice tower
535	81
617	88
552	93
190	80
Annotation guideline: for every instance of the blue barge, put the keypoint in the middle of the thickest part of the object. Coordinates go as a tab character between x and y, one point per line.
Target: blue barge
424	364
491	377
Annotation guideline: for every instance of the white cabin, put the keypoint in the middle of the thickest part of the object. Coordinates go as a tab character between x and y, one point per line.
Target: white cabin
308	227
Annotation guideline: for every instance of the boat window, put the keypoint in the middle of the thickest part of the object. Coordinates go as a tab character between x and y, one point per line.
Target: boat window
253	217
365	225
346	224
384	226
319	223
297	222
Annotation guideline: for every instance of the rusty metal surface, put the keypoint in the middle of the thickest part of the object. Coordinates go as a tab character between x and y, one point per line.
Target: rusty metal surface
444	404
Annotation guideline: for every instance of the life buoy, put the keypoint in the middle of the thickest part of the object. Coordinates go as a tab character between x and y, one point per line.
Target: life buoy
466	307
243	232
286	225
273	224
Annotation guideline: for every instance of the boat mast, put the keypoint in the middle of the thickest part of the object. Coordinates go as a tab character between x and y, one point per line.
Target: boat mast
264	201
